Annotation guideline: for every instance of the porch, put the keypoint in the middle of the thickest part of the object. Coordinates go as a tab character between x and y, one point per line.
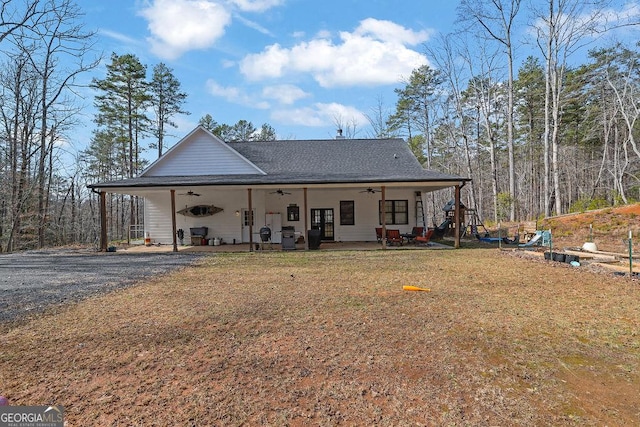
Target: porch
244	247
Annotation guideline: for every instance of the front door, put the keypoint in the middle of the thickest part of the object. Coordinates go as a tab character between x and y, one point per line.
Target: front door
323	220
246	221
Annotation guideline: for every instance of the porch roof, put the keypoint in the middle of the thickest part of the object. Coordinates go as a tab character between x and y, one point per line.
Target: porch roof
286	179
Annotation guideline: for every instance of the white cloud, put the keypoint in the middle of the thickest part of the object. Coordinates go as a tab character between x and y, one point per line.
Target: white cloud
253	25
376	52
320	114
122	38
178	26
235	95
256	5
284	94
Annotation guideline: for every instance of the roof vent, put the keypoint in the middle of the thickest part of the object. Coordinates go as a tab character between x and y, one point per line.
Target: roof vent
339	135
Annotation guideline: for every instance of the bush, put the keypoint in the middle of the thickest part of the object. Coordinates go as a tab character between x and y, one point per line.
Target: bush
583	205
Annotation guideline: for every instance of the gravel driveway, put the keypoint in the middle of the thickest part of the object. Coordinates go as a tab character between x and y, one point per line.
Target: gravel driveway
32	281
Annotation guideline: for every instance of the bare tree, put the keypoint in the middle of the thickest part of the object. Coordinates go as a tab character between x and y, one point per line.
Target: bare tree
562	28
57	39
13	17
497	19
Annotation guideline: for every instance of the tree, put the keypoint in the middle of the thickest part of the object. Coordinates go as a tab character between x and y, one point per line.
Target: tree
530	89
166	101
14	18
121	103
46	48
416	102
562	28
497	19
208	123
379	119
243	130
267	133
59	39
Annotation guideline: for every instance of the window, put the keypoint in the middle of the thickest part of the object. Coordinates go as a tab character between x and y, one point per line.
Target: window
347	212
395	211
293	213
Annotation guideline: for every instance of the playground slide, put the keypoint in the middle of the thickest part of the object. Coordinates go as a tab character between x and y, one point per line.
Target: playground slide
441	229
534	241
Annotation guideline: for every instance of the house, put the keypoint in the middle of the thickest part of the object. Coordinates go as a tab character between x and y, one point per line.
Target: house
336	186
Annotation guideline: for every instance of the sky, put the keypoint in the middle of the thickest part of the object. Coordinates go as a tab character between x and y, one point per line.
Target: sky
298	65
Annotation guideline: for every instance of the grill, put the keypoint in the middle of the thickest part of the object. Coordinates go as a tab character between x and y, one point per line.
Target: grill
288	238
265	234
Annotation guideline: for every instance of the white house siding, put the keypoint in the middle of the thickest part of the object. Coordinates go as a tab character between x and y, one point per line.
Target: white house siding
366	211
227	225
202	155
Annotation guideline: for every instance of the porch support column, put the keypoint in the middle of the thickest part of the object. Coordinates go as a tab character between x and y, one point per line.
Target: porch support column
383	217
306	220
250	205
173	220
103	221
456	215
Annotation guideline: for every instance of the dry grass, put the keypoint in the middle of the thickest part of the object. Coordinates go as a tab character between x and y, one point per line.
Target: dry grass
326	338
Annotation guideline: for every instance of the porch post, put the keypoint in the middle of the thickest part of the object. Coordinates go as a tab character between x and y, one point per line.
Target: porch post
173	220
103	221
383	217
306	220
249	203
457	218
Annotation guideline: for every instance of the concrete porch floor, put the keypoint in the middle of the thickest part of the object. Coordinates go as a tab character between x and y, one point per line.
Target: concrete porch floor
244	247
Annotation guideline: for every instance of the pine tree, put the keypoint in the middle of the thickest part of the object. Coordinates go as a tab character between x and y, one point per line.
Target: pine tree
167	100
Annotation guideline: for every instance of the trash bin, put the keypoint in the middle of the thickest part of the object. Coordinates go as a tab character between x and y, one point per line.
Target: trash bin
288	238
314	238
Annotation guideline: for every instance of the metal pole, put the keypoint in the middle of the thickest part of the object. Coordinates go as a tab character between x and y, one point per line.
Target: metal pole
630	254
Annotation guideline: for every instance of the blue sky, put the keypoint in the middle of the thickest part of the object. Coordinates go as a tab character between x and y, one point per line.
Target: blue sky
295	64
298	65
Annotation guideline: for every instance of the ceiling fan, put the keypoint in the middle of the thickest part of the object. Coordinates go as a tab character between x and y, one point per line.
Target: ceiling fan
370	190
190	193
280	192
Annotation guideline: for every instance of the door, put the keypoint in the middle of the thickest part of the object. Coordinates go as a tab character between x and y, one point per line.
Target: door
247	220
323	220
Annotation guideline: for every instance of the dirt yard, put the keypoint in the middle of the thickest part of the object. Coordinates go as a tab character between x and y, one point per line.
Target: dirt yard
331	338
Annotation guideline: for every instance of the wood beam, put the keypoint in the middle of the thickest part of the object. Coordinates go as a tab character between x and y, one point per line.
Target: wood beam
306	220
457	218
103	221
383	216
250	207
173	220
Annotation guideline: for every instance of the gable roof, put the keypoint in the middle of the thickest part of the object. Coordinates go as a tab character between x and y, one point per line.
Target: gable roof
189	157
289	162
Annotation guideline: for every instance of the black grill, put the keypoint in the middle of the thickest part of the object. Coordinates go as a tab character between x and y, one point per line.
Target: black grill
265	234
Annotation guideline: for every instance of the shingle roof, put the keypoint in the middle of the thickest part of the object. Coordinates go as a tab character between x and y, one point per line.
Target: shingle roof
333	156
312	162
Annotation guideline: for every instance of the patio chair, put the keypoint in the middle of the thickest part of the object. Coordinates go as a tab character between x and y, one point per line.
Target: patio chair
415	232
379	234
394	237
424	240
